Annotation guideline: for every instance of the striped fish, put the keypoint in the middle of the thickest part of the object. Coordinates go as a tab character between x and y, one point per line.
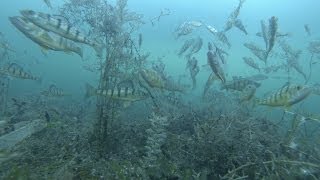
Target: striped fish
239	84
53	91
250	62
121	93
287	96
15	70
152	78
61	27
43	38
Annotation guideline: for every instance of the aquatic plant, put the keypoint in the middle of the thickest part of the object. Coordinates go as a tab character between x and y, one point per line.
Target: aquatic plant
156	138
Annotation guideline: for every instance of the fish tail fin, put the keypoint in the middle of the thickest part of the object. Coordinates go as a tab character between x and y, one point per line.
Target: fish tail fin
79	51
90	91
98	48
39	80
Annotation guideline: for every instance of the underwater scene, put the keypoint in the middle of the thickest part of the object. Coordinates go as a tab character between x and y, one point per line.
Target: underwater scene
176	90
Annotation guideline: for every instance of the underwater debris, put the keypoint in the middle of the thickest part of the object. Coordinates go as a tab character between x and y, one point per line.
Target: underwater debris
164	12
9	140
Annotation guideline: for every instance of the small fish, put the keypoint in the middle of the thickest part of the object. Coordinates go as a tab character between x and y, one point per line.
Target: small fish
250	62
287	96
264	33
62	28
121	94
307	29
236	12
257	51
184	29
278	35
248	93
187	44
45	40
211	29
232	17
15	70
228	25
258	77
273	68
213	60
238	23
314	47
47	116
223	38
48	3
316	89
53	91
295	64
239	84
152	78
195	23
173	86
212	77
196	46
273	28
194	69
140	40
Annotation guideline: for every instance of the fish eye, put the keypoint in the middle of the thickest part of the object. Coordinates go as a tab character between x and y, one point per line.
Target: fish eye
299	87
31	12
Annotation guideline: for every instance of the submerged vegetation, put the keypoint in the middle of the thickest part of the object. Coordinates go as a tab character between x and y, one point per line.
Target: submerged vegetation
138	122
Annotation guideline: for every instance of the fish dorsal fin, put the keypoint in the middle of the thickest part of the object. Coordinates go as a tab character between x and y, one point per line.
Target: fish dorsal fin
286	84
126	104
15	66
62	18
